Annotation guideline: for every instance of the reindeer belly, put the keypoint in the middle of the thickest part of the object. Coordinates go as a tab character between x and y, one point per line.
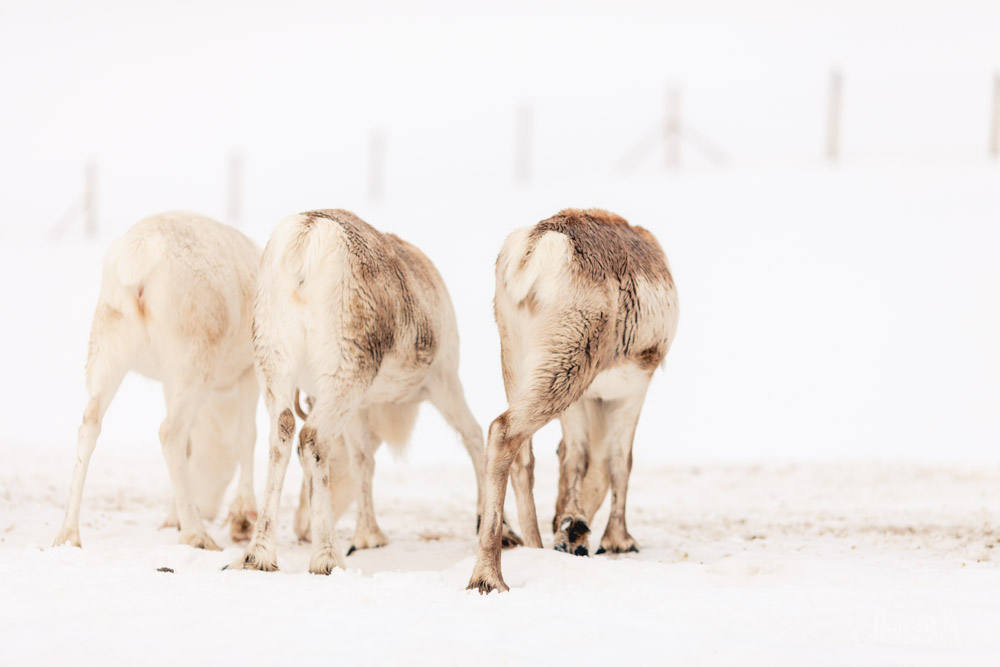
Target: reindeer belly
617	382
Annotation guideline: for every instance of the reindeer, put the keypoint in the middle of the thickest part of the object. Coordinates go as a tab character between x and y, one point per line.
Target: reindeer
176	305
362	323
586	309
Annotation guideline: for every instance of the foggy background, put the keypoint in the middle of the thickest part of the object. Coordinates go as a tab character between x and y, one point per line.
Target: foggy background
835	252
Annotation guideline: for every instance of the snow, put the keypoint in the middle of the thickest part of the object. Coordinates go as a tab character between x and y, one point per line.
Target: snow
849	563
816	470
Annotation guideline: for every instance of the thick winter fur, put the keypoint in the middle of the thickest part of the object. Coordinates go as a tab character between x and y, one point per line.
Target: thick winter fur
362	322
176	305
587	310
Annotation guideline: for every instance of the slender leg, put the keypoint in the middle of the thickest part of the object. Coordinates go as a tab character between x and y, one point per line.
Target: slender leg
243	511
261	553
175	433
504	443
522	479
448	398
102	390
361	446
302	512
622	416
567	365
595	482
573	532
319	436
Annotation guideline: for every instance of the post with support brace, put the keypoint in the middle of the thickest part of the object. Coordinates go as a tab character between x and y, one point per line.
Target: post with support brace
672	128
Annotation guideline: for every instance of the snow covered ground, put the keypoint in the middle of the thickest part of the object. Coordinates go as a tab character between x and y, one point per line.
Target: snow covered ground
851	563
817	471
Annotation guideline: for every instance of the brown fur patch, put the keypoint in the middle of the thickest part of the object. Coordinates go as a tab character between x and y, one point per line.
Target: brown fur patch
608	249
530	303
606	245
286	425
309	447
649	358
397	290
91	413
140	305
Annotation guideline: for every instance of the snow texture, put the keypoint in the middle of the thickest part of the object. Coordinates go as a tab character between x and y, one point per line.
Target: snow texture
816	470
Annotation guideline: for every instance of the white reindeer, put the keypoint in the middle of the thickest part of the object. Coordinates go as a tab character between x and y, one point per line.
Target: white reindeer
362	322
176	305
587	310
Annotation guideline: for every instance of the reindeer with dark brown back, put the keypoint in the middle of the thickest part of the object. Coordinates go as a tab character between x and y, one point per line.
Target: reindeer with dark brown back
587	310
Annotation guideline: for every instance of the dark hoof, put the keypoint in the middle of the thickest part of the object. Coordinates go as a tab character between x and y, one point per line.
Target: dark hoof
507	543
572	537
600	550
631	550
575	528
351	550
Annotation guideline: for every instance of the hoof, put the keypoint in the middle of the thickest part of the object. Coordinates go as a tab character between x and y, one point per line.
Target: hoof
573	536
241	527
200	541
369	539
354	548
67	535
509	538
255	558
624	546
485	584
324	560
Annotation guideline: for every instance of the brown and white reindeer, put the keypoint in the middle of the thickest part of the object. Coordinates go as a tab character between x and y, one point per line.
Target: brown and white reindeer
587	310
176	305
362	322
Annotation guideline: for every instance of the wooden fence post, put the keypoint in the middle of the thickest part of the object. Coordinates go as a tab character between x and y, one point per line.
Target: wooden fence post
833	116
376	166
995	121
234	204
90	198
523	138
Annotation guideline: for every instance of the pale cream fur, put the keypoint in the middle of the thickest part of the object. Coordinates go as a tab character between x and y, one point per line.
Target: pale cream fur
361	322
176	306
587	309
